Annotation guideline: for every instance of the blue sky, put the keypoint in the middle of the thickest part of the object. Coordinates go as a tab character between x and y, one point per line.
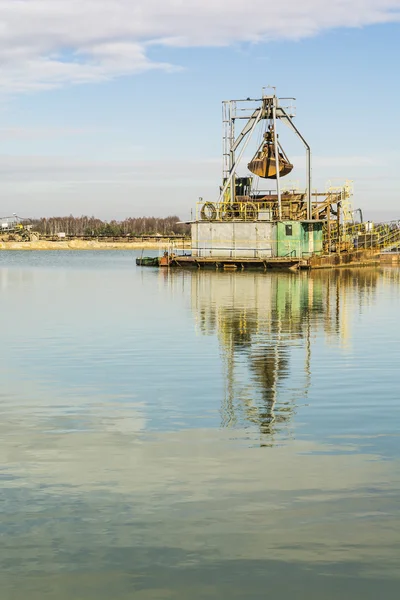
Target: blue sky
113	107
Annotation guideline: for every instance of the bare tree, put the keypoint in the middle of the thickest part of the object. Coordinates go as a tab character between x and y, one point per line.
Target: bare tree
85	226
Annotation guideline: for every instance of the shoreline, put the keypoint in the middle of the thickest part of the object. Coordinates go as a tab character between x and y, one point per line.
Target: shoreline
92	245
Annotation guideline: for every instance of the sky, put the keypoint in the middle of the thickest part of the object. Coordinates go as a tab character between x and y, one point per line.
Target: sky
112	108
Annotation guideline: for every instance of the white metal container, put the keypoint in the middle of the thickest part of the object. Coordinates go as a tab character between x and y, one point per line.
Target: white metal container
234	239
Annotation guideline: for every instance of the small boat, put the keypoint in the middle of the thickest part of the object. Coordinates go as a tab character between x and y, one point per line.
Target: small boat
148	261
264	161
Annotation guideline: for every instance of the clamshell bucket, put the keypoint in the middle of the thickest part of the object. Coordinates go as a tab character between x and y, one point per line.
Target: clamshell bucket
264	161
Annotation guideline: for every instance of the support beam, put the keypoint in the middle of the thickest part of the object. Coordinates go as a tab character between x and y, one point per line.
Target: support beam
278	179
284	117
255	117
328	225
233	169
232	161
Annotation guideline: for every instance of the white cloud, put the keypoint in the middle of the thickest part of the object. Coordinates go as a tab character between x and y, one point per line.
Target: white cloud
50	43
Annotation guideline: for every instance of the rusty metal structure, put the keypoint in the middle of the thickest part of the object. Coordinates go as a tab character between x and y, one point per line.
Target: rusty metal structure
270	160
285	227
240	199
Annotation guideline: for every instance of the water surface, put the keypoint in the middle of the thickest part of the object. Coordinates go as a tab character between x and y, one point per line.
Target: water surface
171	434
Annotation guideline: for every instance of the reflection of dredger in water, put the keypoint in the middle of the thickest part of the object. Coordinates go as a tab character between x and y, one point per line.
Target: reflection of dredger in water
254	317
259	321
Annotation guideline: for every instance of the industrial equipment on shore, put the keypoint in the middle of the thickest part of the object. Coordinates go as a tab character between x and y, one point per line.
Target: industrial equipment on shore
15	228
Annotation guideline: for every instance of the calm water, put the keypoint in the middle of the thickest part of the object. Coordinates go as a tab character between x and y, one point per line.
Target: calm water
178	435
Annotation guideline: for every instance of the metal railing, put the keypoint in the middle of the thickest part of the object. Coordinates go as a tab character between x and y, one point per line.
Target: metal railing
361	236
235	211
292	210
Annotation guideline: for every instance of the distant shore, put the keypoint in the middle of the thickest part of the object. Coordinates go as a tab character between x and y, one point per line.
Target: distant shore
77	244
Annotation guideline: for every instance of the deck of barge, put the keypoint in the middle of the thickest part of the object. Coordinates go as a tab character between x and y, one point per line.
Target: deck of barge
237	263
358	258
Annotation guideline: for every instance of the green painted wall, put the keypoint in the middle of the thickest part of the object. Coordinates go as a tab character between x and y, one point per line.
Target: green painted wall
293	238
318	235
289	245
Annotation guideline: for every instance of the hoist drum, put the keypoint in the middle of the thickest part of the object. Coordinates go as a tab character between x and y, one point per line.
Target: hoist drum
208	212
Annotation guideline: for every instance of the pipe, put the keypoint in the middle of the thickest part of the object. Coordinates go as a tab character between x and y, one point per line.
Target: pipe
232	158
308	176
278	180
288	121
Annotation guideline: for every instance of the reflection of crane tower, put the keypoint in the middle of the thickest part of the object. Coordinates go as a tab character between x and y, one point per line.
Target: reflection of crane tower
265	325
261	320
258	319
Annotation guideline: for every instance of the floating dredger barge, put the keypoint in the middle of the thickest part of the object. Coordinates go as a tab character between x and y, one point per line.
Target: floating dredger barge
280	228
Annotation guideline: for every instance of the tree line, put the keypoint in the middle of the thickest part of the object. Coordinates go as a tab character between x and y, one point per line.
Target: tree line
85	226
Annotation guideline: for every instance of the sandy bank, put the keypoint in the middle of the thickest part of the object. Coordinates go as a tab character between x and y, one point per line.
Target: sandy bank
90	245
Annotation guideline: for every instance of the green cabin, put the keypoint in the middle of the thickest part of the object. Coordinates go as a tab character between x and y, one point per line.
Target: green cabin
301	239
